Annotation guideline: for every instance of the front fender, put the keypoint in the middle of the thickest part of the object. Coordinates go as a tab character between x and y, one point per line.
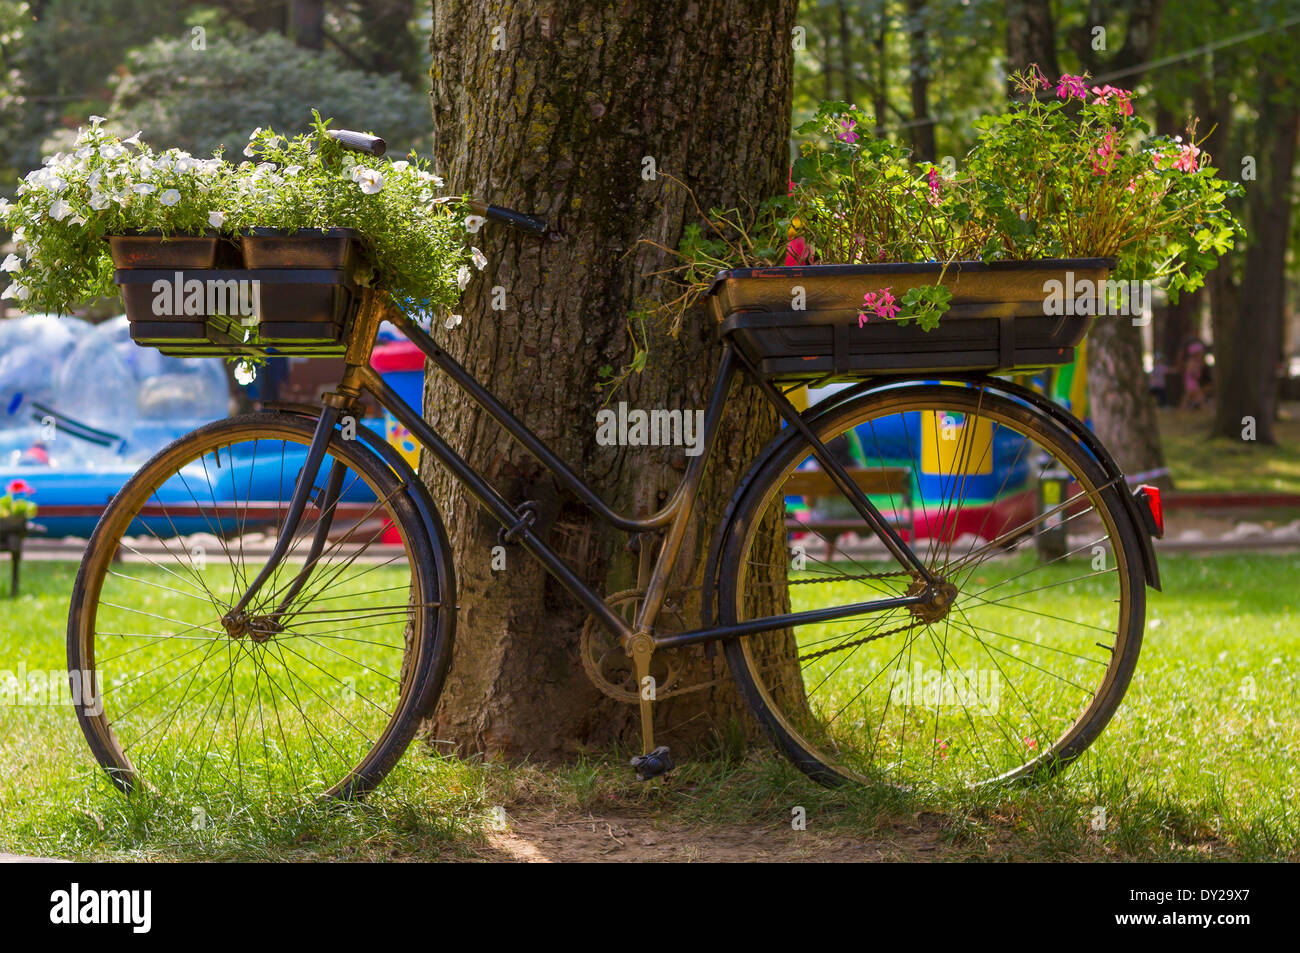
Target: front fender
433	525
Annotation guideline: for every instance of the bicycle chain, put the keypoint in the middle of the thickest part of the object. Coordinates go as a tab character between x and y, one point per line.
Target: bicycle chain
862	641
838	577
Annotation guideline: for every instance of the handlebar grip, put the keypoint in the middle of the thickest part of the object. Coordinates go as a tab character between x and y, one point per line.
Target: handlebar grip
359	141
531	224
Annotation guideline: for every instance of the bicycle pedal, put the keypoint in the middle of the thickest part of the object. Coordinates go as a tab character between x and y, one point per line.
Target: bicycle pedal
654	764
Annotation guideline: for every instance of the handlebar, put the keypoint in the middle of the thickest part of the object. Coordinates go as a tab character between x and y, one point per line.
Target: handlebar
532	224
359	141
373	145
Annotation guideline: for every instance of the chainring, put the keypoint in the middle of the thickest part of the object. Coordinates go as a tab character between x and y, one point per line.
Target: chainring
612	670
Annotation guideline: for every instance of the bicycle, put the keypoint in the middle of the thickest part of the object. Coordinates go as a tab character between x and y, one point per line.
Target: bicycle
867	648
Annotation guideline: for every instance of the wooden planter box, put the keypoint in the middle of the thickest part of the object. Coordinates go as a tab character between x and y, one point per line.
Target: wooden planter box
295	296
998	319
155	250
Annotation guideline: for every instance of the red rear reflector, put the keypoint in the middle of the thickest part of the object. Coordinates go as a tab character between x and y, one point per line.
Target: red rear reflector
1150	495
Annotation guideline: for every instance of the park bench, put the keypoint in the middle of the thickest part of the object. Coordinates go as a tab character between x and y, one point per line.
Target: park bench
893	482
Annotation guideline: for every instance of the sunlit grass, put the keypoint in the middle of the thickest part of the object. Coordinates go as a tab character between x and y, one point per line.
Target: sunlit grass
1202	760
1200	462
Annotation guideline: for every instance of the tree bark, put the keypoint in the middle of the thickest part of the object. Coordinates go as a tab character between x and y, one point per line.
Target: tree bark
563	118
1031	37
1123	415
307	23
1245	371
923	128
846	52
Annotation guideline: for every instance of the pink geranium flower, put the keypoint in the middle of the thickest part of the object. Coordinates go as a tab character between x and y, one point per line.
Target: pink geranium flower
848	135
16	487
1106	154
933	197
881	303
1071	87
1124	96
1187	159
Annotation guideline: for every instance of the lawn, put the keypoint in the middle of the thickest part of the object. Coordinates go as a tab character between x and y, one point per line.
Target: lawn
1200	762
1201	463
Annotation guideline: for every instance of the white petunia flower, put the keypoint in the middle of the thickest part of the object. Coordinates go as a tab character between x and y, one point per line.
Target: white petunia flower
370	181
98	201
12	263
170	197
97	121
245	373
143	188
480	259
216	219
15	290
60	210
453	321
249	150
400	165
473	223
462	276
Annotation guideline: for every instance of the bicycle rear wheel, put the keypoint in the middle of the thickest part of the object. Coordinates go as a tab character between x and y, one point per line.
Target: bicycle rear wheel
320	688
1026	666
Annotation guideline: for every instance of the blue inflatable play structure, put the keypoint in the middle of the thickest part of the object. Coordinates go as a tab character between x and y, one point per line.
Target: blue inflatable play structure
82	407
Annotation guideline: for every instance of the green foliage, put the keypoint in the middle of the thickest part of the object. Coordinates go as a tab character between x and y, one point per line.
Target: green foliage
1066	172
106	186
856	198
201	100
413	239
110	186
14	502
1101	186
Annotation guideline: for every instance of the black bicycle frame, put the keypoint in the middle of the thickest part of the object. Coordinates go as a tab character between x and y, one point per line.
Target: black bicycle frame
671	520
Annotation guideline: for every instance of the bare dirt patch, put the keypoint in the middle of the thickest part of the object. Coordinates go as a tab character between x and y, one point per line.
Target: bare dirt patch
553	837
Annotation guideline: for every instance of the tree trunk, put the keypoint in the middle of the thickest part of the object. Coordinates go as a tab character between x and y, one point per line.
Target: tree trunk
846	53
390	45
1245	371
307	23
1031	37
576	114
1122	410
923	127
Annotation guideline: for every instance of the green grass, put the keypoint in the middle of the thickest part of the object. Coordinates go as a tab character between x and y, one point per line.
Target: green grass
1200	463
1202	761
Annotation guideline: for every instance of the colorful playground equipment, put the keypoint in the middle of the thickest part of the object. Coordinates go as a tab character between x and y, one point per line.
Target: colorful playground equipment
82	406
913	459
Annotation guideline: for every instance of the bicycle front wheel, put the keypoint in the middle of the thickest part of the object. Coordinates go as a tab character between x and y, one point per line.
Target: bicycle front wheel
1012	679
319	686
